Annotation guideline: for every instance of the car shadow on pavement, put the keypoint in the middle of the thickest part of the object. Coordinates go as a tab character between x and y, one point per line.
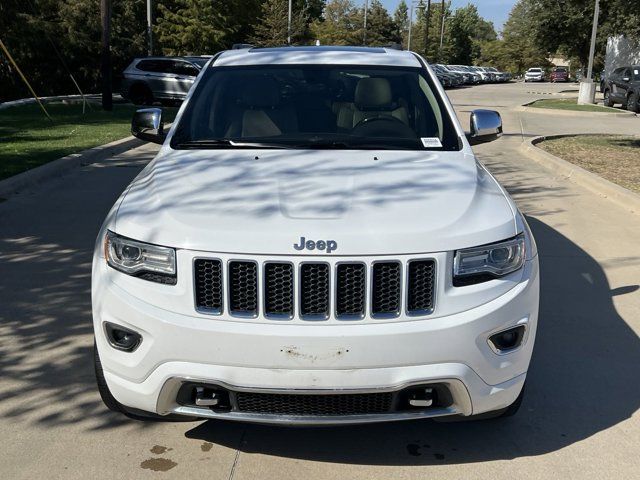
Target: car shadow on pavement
46	334
583	380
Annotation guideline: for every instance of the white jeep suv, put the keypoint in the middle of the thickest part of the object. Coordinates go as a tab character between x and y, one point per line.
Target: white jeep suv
315	243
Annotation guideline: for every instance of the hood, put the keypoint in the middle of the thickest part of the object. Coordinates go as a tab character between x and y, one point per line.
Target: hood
265	201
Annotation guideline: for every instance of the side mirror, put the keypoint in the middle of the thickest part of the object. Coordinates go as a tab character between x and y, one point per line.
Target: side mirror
486	126
147	125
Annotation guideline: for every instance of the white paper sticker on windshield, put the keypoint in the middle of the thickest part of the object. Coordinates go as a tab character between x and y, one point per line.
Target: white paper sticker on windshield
431	142
636	72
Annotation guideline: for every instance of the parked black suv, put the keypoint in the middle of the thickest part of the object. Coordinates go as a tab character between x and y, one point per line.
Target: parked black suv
163	79
623	86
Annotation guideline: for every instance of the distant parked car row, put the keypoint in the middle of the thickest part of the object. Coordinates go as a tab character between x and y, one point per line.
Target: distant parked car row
160	79
458	75
537	74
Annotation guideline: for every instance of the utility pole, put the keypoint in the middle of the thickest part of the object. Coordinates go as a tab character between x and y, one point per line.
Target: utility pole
105	55
366	11
150	27
442	18
587	93
420	6
427	18
289	22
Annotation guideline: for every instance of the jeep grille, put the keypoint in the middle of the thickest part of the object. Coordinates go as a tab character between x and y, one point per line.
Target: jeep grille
312	290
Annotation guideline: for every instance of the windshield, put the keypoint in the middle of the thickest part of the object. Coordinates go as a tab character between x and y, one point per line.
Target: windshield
535	70
313	106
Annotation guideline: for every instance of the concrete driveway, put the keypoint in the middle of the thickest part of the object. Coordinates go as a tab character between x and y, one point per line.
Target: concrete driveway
579	418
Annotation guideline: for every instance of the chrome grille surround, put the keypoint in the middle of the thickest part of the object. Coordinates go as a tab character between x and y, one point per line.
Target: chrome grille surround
278	290
318	297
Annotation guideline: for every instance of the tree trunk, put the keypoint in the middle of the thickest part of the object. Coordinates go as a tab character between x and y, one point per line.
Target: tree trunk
105	63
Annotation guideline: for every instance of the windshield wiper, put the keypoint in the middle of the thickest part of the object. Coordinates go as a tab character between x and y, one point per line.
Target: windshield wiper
353	143
224	142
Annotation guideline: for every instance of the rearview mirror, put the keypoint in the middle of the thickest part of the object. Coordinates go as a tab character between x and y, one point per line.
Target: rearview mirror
486	126
626	79
147	125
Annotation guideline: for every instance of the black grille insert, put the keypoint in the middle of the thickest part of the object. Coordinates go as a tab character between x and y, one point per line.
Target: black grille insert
278	289
315	405
243	288
351	290
387	286
422	279
314	290
208	285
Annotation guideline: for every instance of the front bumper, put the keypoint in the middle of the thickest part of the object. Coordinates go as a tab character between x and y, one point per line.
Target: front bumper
292	358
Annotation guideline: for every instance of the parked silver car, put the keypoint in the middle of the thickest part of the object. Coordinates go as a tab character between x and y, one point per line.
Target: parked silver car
160	79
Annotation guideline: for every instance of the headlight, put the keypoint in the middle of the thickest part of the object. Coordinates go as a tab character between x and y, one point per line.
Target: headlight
479	264
151	262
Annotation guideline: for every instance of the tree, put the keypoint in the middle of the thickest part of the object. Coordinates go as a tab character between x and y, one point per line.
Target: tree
518	48
272	28
433	44
401	21
381	29
193	27
467	31
341	24
564	26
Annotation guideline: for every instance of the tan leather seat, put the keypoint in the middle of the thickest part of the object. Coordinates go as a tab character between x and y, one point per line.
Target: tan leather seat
373	98
260	112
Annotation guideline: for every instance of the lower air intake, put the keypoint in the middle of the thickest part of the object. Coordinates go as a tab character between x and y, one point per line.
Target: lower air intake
315	405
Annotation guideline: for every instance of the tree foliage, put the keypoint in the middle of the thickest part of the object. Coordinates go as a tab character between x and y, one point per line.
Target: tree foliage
518	49
272	28
340	24
564	26
401	21
467	32
381	29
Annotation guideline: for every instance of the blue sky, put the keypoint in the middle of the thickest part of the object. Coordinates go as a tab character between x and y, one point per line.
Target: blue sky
496	11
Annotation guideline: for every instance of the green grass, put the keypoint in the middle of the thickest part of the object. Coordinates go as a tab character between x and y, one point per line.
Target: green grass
570	104
28	139
614	157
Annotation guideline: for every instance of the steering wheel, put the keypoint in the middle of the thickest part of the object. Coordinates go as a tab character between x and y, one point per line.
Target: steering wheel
382	126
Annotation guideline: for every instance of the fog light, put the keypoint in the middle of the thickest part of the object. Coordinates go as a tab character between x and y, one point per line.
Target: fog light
122	338
507	340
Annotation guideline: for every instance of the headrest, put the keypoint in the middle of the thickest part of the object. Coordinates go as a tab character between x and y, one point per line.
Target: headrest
261	92
373	92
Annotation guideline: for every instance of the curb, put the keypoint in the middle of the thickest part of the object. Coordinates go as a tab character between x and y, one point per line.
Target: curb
56	168
572	113
90	97
623	197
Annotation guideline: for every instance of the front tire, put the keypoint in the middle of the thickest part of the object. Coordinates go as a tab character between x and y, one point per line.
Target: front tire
607	99
112	404
632	102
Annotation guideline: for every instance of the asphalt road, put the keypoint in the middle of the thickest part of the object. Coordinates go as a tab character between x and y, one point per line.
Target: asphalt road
579	418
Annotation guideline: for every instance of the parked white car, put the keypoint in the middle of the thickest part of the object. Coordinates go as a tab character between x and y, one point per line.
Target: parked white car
315	243
534	75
